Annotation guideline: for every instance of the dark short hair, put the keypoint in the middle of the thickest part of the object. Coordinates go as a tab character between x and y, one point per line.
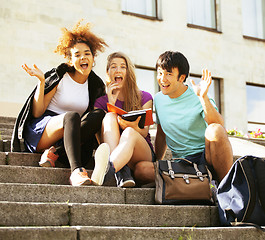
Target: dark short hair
169	60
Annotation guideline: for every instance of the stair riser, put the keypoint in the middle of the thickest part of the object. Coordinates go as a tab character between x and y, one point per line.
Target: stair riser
5	145
23	214
86	194
9	120
40	233
57	214
121	233
176	233
34	175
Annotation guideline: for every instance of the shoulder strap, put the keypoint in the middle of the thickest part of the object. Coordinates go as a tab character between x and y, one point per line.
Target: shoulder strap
238	224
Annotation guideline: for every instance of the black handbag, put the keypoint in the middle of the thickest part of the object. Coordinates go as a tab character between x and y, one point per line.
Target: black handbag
180	181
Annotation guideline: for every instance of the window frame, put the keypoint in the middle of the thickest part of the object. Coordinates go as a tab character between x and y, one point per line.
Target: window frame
156	17
254	122
256	38
215	29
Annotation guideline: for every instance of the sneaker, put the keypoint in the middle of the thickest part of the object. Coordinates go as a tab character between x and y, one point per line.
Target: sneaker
124	177
79	177
102	164
49	157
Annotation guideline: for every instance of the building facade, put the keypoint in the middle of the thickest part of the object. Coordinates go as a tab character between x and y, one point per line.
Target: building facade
226	38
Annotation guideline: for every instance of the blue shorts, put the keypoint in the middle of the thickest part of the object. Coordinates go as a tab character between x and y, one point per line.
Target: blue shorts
34	130
199	158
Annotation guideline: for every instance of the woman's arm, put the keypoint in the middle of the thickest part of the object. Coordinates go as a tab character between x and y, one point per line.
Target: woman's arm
40	101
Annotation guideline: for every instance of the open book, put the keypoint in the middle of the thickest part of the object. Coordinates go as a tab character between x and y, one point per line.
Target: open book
146	115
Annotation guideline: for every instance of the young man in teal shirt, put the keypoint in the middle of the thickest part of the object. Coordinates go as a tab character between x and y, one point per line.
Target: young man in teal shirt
187	119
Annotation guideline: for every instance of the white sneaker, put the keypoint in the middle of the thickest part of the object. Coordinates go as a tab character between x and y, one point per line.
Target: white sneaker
79	177
101	164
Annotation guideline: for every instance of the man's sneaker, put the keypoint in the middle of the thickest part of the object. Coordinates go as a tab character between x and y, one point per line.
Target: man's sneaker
124	177
49	157
79	177
102	164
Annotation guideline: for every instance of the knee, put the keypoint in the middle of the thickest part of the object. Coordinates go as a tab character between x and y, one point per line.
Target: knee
215	132
110	118
130	133
100	113
144	171
72	117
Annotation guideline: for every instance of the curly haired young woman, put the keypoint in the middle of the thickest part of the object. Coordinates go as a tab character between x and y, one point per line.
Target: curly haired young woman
60	110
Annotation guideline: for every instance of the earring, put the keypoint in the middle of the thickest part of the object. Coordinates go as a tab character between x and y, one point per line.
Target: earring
94	64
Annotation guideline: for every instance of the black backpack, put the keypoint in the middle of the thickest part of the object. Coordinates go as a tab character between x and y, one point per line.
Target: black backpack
241	193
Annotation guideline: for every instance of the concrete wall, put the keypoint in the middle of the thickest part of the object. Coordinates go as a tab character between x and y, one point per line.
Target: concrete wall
30	30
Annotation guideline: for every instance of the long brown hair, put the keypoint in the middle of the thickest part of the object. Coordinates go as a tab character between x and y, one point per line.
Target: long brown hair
131	92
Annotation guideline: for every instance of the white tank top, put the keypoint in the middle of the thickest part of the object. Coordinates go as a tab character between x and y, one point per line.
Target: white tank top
70	96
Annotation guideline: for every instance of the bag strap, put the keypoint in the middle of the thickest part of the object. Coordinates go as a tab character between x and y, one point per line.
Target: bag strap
170	170
243	224
247	171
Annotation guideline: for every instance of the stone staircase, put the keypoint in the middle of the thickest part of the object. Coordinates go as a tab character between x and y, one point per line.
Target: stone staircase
38	203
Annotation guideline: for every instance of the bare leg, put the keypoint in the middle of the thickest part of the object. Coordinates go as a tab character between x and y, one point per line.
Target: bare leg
110	130
218	150
52	133
131	150
144	170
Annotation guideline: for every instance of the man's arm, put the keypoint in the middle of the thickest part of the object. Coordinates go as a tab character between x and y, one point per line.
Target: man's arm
211	114
160	143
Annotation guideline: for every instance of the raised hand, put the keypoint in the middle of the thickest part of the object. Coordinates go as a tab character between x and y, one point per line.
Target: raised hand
113	92
202	88
35	71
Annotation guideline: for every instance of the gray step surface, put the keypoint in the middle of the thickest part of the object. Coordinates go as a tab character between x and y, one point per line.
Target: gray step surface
9	120
130	233
39	175
17	192
101	214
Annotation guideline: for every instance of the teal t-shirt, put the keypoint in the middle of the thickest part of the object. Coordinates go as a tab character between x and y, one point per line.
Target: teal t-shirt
182	120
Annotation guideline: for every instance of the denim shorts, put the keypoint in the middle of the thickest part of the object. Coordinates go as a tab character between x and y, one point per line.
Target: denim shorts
34	130
199	158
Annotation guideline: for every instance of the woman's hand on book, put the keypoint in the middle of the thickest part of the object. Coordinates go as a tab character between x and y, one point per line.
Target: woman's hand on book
124	124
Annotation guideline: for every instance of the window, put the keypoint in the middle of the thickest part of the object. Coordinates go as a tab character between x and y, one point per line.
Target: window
214	90
253	14
255	107
202	13
141	8
146	80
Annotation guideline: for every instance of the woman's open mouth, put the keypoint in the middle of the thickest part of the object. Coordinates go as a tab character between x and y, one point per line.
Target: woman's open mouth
84	65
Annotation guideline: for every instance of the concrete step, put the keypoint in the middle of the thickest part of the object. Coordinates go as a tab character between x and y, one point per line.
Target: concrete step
6	125
101	214
39	175
5	145
9	120
6	133
34	175
129	233
19	192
